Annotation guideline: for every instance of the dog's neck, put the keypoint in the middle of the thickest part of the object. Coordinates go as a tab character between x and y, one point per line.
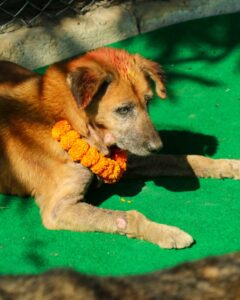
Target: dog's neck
58	101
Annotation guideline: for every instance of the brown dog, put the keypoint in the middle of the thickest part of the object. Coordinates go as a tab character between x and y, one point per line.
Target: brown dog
104	95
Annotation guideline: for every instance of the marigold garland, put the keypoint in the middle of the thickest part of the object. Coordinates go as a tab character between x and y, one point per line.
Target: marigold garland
110	169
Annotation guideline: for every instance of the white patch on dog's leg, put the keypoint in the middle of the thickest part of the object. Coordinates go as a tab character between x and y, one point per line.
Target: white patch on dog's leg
121	223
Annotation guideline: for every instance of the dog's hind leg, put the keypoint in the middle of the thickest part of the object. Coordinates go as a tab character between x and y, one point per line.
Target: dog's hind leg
182	165
65	210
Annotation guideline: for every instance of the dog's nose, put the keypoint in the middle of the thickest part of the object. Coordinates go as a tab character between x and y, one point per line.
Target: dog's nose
155	147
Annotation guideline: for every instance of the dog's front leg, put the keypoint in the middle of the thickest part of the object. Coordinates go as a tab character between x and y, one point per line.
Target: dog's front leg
66	210
79	216
183	165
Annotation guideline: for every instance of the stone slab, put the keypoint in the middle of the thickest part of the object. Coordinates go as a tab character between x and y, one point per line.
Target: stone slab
55	41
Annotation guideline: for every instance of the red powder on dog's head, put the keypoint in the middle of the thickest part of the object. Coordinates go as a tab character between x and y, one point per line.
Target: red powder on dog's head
119	59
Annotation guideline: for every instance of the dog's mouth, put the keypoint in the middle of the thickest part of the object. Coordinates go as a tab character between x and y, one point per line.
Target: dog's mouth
108	139
102	139
111	143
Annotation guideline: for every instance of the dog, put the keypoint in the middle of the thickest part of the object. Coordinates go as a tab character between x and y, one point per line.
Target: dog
104	95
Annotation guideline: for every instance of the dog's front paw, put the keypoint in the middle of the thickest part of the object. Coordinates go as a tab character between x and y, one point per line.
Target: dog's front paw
163	235
234	166
168	236
223	168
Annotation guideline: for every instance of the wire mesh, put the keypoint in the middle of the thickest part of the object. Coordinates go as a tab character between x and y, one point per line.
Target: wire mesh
18	13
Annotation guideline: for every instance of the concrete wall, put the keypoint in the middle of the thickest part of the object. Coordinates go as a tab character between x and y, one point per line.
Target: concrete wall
54	41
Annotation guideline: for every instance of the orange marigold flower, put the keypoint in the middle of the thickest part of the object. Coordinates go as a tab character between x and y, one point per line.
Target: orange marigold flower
101	165
90	158
78	150
68	139
112	173
120	157
109	169
60	128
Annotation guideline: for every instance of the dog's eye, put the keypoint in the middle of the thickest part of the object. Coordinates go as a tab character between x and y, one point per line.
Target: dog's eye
124	110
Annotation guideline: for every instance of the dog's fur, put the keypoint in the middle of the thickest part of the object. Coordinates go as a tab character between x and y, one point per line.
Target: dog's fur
104	95
211	278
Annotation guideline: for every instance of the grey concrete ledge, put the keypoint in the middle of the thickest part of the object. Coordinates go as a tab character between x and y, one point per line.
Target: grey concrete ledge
42	45
154	14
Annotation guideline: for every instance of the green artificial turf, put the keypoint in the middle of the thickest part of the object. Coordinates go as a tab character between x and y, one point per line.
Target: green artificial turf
201	115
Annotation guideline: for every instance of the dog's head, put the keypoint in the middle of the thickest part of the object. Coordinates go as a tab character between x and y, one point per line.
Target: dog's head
112	87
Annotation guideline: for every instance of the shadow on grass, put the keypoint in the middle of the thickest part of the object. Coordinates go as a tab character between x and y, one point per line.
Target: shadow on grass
175	142
34	254
185	142
19	219
207	41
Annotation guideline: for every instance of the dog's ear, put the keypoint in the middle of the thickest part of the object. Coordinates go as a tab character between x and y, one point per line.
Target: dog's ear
85	83
155	72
